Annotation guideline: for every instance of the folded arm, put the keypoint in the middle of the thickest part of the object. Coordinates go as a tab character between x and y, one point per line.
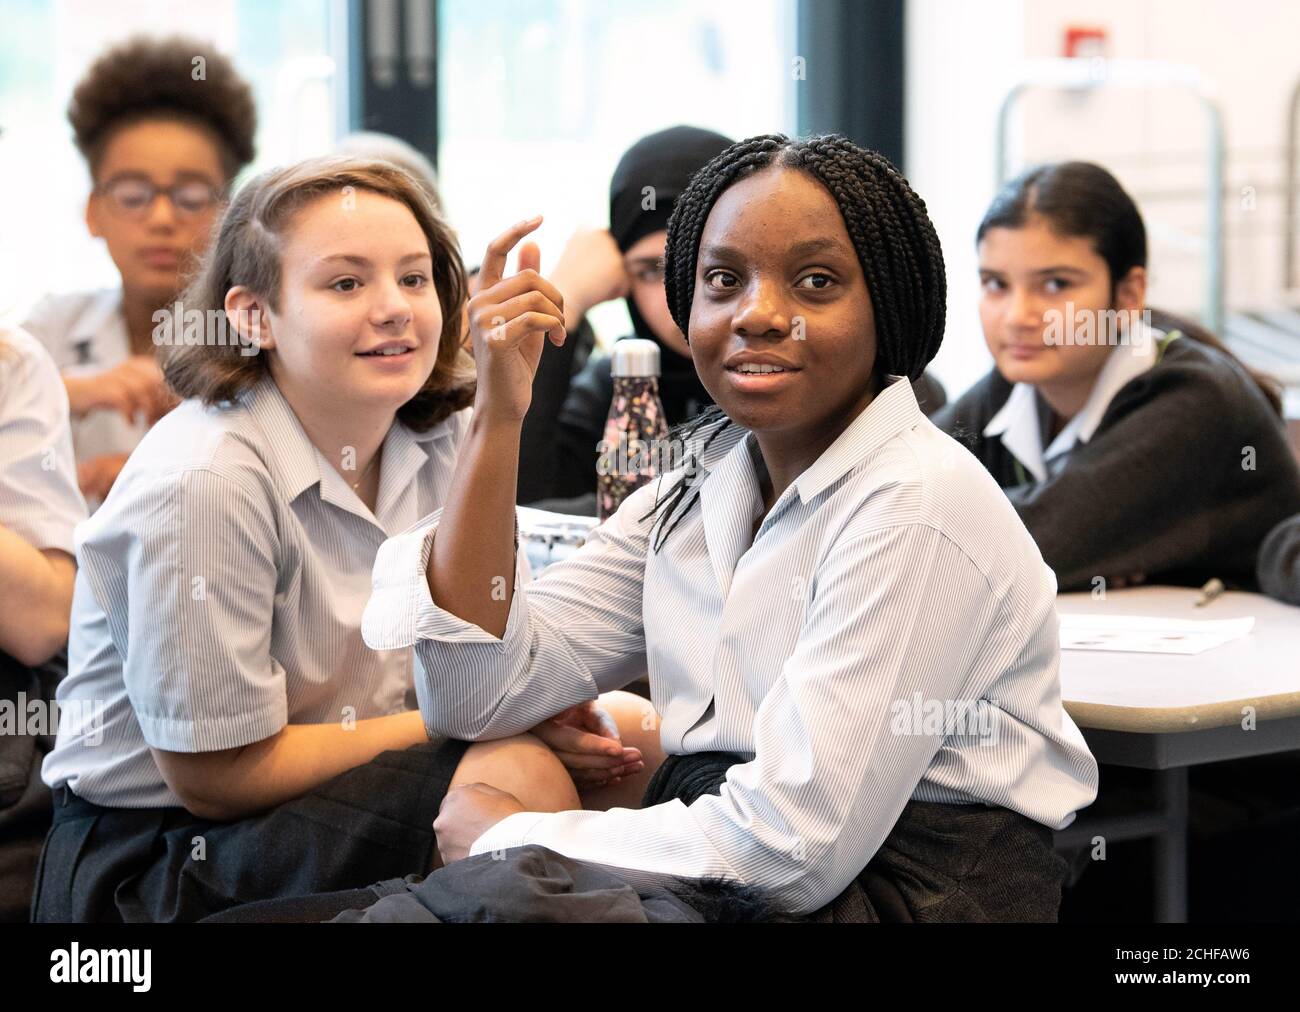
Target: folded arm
569	635
35	599
235	783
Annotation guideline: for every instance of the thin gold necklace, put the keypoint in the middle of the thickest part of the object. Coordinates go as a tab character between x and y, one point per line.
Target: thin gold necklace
367	470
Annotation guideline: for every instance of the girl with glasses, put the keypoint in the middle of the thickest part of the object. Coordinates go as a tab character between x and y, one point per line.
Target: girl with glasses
164	125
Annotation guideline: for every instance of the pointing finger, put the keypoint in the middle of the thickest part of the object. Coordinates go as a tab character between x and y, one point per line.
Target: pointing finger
494	261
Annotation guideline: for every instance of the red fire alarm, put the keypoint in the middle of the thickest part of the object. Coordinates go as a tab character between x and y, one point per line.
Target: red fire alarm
1088	43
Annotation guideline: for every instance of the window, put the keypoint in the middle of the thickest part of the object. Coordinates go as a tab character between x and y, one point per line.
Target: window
283	49
538	100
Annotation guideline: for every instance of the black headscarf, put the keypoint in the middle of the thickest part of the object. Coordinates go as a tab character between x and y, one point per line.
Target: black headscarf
666	161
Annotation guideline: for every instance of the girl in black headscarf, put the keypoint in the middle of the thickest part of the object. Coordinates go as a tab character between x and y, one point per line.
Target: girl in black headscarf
566	421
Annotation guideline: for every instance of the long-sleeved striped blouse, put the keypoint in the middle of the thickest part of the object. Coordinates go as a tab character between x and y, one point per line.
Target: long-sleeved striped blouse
889	633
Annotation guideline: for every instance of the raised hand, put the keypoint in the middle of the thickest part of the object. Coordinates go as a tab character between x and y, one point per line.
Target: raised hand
509	319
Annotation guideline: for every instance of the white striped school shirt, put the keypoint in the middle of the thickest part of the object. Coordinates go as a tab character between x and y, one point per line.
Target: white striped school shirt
39	497
220	593
892	581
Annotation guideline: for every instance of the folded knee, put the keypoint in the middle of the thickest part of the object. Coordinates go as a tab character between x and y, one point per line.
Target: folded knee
523	766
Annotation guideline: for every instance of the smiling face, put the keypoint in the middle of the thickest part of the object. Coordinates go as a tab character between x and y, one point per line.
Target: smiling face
1031	272
356	285
152	246
777	281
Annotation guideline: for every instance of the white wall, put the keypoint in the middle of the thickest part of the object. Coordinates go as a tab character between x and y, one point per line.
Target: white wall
957	59
960	59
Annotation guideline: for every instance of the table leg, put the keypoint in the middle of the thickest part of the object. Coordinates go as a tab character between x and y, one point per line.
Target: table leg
1171	847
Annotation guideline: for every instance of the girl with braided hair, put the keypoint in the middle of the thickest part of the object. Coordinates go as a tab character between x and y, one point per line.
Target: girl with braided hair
851	639
566	421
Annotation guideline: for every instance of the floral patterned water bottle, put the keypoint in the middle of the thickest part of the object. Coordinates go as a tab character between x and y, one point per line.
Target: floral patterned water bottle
636	431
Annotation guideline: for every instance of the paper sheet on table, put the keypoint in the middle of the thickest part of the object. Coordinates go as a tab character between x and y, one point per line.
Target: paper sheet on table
1143	635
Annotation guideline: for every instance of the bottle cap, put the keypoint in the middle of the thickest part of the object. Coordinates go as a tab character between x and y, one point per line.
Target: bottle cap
634	356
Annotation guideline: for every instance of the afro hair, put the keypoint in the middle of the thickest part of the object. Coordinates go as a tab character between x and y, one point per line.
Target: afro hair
174	77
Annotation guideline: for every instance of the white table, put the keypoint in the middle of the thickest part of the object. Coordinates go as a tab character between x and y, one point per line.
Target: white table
1166	712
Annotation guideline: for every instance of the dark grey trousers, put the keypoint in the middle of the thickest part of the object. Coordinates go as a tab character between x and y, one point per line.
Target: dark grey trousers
939	863
163	864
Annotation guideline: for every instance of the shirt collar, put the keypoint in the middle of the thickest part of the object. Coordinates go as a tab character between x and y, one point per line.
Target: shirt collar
731	500
1125	362
297	464
1019	421
893	410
